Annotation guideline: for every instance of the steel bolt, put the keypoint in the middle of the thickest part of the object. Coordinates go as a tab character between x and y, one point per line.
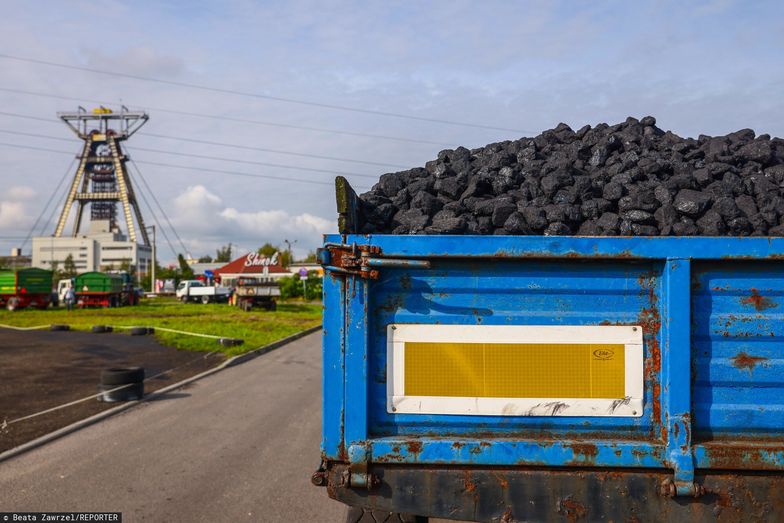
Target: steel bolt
667	488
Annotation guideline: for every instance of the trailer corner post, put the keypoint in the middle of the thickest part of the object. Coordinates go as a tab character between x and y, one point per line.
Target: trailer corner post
676	376
356	410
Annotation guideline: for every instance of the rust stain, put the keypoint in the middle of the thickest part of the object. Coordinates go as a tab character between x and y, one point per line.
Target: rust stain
467	483
457	445
501	480
571	509
759	302
588	451
414	447
744	361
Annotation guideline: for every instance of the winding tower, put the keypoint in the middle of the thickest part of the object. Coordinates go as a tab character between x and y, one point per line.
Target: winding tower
101	178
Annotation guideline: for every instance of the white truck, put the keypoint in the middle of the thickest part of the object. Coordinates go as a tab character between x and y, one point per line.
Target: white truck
195	290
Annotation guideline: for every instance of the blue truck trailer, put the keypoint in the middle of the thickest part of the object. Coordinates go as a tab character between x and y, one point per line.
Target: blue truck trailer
522	378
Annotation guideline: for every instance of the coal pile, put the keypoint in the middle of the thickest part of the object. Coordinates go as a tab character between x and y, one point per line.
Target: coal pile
629	179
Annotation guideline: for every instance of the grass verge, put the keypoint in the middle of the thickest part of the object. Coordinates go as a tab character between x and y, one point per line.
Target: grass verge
257	327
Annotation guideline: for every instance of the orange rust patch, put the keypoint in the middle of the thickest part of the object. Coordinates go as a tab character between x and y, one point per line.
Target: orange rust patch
414	447
572	509
588	450
744	361
467	483
757	301
501	480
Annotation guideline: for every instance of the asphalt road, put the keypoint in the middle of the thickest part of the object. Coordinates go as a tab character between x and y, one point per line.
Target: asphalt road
239	445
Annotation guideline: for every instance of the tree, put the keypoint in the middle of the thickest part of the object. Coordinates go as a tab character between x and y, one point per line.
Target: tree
269	250
69	267
205	259
185	270
311	257
223	254
291	287
127	266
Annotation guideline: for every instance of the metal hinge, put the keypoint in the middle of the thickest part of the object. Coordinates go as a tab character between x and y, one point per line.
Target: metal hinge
361	260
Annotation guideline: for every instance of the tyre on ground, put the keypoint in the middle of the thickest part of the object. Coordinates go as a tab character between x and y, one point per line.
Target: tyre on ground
122	384
205	300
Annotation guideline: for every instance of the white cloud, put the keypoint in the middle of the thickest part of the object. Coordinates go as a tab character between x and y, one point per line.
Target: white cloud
12	214
20	192
204	222
14	208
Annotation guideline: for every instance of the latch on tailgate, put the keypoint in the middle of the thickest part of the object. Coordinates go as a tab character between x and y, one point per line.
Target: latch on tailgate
361	260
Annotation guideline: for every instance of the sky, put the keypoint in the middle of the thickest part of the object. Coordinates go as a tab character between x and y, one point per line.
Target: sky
487	71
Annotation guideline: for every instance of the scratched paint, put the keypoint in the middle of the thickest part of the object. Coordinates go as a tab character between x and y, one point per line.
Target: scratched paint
579	281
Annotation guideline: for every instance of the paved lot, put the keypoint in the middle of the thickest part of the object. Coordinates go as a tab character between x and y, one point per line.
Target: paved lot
41	369
237	446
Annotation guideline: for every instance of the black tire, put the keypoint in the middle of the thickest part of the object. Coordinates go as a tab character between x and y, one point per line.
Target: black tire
230	342
59	327
363	515
121	376
205	300
99	329
139	331
184	299
133	392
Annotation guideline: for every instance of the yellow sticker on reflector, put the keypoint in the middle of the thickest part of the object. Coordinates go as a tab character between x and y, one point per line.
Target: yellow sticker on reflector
515	370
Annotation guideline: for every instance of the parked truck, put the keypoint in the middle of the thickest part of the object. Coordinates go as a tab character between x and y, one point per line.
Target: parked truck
256	292
502	378
98	289
130	294
28	287
195	290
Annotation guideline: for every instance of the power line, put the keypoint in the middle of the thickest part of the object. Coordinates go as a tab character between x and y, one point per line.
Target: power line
222	144
204	157
160	207
158	223
251	162
186	167
46	205
234	119
222	90
276	151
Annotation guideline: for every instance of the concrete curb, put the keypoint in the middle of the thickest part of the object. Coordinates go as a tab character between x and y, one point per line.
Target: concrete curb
73	427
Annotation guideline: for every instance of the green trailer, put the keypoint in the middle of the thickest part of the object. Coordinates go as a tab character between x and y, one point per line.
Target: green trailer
28	287
98	289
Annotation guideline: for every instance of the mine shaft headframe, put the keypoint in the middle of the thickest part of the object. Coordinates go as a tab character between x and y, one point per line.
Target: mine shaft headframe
100	119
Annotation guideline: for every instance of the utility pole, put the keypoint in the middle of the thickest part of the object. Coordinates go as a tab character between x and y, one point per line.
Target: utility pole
288	249
152	276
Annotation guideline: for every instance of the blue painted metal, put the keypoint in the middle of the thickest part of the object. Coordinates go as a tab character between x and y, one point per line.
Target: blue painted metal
713	336
333	361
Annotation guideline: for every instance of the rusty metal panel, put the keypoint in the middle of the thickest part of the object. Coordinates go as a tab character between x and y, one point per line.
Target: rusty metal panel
714	392
738	351
561	495
516	292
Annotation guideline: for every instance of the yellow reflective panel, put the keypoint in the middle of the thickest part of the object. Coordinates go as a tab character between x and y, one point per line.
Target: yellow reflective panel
515	370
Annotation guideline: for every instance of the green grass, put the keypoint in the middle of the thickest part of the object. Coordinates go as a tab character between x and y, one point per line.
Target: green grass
257	327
